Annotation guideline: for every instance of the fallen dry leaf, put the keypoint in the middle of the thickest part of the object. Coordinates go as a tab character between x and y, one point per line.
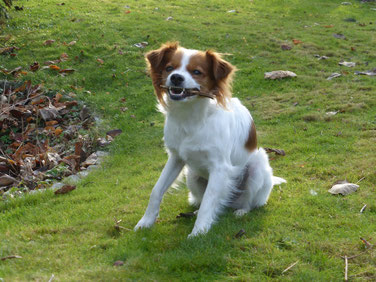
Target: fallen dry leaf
297	41
66	71
72	43
279	74
118	263
34	67
6	180
141	44
334	75
64	57
100	61
339	36
49	113
347	64
343	189
65	189
47	63
54	67
48	42
91	160
58	131
370	72
113	133
286	47
276	151
51	122
7	50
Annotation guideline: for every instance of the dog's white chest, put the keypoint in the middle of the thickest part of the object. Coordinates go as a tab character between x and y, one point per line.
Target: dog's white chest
193	147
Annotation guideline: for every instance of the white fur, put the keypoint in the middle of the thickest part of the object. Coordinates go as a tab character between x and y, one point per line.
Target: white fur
210	142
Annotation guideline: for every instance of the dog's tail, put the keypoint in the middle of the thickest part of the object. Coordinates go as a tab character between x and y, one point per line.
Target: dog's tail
278	180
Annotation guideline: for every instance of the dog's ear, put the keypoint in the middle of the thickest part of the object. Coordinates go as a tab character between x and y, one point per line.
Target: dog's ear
221	73
157	59
220	68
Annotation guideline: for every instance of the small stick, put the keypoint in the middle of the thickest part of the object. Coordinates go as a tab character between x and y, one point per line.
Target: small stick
52	278
291	266
118	227
10	257
368	245
346	268
194	92
361	179
240	233
363	208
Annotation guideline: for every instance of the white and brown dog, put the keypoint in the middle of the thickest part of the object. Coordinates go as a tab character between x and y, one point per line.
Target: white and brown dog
215	139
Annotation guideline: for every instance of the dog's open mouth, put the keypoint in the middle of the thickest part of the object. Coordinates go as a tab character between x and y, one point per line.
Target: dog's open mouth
178	93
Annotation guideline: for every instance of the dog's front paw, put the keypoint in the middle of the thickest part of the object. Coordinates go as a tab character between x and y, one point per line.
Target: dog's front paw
144	222
240	212
197	231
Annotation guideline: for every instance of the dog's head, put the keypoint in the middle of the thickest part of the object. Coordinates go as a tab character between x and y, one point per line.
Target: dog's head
179	68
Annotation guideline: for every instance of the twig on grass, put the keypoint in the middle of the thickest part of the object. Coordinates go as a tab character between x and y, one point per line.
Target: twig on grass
10	257
240	234
363	208
291	266
346	258
361	179
118	227
368	245
52	278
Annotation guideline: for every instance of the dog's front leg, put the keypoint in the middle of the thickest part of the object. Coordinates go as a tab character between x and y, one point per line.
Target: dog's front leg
170	172
215	196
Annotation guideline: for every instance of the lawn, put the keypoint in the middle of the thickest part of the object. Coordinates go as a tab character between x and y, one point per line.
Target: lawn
73	236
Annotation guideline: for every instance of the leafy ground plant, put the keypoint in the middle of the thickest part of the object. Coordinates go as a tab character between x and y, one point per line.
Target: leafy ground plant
326	129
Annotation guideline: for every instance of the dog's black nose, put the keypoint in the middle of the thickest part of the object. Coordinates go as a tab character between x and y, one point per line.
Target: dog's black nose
177	79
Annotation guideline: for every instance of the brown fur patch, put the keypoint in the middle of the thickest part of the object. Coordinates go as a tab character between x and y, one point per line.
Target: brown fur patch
200	62
157	61
251	143
221	72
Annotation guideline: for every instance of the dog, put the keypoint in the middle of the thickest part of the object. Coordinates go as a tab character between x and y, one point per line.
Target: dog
209	133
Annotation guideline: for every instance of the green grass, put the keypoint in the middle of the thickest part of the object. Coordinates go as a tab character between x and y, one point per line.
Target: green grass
73	236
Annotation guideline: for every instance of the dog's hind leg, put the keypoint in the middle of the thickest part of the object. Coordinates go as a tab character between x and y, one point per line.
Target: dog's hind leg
197	186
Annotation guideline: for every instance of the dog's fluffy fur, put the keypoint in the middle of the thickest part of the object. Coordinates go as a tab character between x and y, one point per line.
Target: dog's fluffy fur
214	139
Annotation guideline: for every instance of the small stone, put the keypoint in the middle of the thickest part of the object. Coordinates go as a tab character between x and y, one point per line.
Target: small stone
57	185
72	179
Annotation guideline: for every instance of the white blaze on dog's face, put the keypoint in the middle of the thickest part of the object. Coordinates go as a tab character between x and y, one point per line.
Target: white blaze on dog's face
181	69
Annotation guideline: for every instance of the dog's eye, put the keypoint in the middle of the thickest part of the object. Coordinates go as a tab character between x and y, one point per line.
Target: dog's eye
196	72
169	68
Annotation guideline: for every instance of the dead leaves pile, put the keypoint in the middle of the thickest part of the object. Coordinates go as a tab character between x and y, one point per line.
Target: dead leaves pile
43	136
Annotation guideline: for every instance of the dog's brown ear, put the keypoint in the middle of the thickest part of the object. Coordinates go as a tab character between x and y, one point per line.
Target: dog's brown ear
220	68
222	73
158	58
